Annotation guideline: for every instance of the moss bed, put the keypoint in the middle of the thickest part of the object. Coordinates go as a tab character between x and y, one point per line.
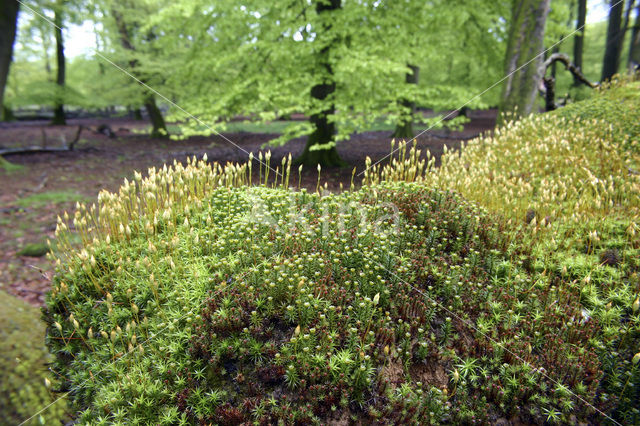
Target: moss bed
200	296
23	365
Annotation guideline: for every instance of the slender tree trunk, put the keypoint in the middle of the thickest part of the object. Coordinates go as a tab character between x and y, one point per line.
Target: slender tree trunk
324	130
58	111
526	38
159	127
578	43
8	20
7	114
625	27
157	121
613	46
634	46
404	129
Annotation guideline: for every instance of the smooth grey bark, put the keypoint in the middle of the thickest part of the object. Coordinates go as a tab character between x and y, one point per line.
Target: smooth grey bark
8	23
578	43
324	130
58	110
404	129
523	58
613	46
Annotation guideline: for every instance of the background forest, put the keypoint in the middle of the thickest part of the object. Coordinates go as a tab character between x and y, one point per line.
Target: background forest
360	63
319	212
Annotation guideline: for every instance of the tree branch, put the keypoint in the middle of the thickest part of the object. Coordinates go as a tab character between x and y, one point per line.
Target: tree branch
569	66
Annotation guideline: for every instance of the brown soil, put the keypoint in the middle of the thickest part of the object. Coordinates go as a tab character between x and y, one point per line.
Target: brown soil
99	162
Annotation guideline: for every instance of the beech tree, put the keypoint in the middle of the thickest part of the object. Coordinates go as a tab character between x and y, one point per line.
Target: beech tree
634	45
578	43
8	20
615	35
343	64
126	26
58	20
526	41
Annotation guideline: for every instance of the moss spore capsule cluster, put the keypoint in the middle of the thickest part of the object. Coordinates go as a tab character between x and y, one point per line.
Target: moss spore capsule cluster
204	295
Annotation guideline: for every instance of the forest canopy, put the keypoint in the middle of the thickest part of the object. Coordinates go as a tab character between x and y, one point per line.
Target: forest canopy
343	64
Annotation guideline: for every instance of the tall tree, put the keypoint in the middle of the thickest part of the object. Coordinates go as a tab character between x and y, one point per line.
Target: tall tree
404	128
578	43
342	64
320	147
58	110
8	20
625	28
634	46
159	128
615	35
526	40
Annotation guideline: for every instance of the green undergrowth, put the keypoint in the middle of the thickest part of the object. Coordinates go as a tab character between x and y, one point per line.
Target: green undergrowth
23	366
217	295
50	197
8	166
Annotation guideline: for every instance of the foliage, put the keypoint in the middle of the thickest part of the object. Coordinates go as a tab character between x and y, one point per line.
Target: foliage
260	59
23	361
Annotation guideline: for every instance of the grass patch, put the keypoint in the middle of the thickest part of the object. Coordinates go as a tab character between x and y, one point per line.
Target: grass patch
9	167
50	197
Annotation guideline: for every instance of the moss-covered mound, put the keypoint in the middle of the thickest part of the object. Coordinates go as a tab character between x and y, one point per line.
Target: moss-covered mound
23	365
200	298
570	180
255	304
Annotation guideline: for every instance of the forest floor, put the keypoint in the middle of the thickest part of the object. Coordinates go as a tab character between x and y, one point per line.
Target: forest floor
44	185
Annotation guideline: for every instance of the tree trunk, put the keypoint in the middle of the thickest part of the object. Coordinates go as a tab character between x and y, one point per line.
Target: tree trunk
324	130
404	129
634	45
578	43
7	114
526	38
58	111
625	27
8	20
137	114
159	127
614	36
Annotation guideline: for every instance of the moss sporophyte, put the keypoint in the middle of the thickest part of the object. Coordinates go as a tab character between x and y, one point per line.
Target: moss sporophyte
203	294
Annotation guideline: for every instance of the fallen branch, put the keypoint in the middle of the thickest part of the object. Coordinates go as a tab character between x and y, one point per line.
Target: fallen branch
40	149
569	66
460	138
549	83
31	150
